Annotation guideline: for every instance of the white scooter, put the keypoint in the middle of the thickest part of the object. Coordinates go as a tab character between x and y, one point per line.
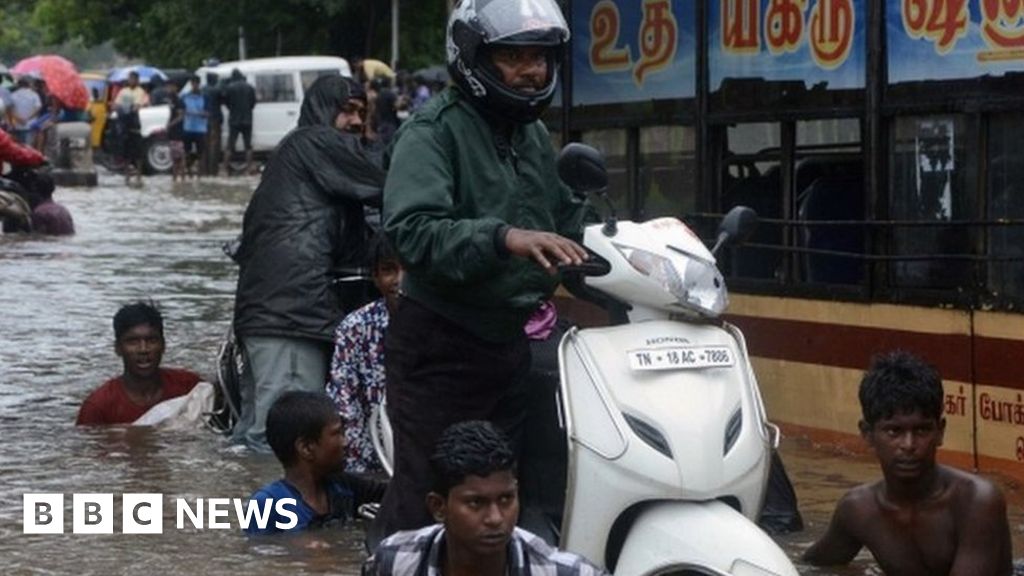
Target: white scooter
668	442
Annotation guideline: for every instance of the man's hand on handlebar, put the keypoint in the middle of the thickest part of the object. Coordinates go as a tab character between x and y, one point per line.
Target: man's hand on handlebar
544	248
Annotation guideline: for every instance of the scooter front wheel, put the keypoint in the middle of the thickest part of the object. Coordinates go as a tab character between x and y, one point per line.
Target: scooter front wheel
699	538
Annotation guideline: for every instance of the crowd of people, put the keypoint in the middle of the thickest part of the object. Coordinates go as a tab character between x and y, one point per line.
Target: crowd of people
475	222
30	114
919	518
197	121
393	98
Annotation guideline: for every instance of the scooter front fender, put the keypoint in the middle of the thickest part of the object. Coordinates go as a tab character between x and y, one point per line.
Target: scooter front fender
705	537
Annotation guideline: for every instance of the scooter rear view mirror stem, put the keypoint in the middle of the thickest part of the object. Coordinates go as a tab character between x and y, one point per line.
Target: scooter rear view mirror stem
611	223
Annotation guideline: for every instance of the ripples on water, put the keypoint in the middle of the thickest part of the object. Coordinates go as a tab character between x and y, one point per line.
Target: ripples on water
58	296
163	241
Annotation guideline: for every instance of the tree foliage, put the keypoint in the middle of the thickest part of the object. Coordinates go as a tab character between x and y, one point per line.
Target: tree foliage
181	33
18	35
21	36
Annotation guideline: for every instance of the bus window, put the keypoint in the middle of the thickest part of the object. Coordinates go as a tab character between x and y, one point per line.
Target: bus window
1006	200
931	181
668	171
751	176
829	185
612	143
838	135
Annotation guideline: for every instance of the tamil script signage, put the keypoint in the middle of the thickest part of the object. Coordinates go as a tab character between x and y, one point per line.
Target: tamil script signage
954	39
818	42
633	50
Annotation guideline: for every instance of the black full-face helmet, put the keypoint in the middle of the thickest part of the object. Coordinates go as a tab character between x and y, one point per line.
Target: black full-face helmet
477	25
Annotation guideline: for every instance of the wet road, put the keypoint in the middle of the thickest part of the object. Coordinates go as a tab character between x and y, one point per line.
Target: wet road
163	241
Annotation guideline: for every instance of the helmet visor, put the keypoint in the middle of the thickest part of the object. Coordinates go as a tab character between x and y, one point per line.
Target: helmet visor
503	20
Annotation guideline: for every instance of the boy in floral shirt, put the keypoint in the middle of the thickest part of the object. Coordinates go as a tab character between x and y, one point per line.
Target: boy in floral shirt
357	366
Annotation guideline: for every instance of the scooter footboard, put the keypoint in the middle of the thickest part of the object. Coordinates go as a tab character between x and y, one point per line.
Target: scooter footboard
703	537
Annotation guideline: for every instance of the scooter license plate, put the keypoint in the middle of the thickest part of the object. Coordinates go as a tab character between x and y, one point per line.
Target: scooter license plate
680	358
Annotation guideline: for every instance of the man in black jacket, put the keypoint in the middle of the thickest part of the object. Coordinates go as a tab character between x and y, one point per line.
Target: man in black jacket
305	218
480	220
215	119
240	99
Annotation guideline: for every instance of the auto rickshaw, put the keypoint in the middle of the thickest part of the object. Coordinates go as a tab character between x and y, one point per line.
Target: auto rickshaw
99	100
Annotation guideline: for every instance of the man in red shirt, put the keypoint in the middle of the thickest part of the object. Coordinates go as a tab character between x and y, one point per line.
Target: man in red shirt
139	341
15	210
15	154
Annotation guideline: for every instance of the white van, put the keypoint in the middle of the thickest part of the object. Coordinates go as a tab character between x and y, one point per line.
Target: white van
280	84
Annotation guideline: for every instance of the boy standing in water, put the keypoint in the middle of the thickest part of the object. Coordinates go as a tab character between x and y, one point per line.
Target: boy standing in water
306	435
475	502
921	518
139	341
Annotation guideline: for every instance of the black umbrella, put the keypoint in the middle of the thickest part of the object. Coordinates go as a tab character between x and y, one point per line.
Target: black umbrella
436	74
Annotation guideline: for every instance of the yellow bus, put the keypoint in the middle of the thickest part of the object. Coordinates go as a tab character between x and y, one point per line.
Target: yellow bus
882	144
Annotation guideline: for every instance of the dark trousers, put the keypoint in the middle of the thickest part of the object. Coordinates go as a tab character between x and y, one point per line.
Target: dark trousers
211	155
439	374
236	130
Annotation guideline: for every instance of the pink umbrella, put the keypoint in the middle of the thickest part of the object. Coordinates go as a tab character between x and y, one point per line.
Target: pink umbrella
62	80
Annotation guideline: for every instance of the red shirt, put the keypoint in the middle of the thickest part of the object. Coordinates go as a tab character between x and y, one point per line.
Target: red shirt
110	404
17	155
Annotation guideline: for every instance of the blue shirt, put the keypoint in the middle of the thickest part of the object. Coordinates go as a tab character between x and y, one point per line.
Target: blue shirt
195	113
339	497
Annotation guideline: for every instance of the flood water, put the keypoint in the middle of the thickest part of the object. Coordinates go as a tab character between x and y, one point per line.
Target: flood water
163	241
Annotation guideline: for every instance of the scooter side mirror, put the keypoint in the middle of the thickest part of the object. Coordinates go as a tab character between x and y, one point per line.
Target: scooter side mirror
582	168
736	227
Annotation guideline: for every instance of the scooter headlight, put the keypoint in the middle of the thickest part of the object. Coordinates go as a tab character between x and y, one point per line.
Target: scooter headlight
657	268
696	284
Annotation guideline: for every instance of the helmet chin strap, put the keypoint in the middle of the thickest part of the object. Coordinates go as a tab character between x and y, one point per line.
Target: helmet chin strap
475	86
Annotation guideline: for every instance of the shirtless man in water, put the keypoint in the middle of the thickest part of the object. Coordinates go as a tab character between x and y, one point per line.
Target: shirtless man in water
922	518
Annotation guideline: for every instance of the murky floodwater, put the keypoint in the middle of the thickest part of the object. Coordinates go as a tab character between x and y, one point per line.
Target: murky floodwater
57	298
163	241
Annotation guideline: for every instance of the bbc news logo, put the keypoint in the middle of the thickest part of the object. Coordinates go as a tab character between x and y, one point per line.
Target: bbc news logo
144	513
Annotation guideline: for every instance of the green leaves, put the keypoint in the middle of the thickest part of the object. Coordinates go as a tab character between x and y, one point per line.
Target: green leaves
18	35
181	33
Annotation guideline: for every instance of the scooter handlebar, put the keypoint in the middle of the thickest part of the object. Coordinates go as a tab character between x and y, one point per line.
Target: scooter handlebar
593	266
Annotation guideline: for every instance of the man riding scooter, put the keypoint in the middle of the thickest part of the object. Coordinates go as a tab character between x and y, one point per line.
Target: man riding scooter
475	210
668	441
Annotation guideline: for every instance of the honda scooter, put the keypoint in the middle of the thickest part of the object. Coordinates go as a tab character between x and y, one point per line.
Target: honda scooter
667	445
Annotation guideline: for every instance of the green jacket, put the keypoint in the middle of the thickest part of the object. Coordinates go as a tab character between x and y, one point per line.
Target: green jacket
449	189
